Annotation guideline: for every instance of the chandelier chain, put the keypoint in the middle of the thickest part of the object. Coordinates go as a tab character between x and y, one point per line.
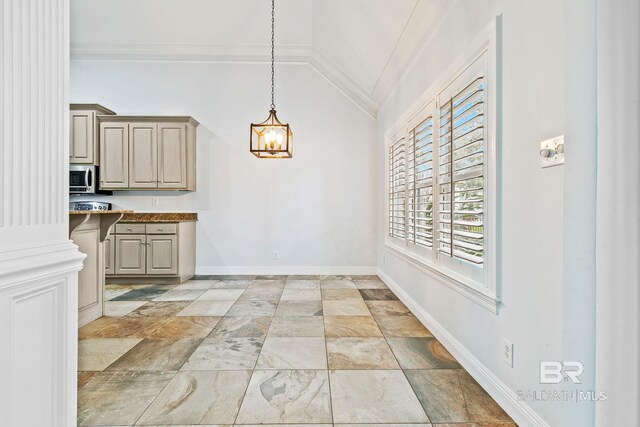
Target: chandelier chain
273	31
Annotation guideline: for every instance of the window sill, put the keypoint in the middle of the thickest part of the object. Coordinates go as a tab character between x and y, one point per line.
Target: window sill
458	284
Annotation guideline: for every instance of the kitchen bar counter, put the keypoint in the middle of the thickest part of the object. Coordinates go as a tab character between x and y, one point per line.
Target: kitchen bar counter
100	212
159	217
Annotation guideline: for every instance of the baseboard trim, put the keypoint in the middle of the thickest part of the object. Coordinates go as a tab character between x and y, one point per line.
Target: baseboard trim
278	270
522	413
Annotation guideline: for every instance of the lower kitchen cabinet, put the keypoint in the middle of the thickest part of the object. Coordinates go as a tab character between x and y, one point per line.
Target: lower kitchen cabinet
109	254
131	254
162	255
158	250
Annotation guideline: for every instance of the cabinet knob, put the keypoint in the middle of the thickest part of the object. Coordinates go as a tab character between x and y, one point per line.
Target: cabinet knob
129	229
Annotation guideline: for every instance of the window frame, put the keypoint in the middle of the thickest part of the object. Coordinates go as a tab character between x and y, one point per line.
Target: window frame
482	284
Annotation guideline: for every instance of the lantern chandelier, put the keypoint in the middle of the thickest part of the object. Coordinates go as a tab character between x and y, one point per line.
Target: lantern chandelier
272	139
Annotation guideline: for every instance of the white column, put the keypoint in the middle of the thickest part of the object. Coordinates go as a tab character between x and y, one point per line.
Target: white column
579	254
618	213
38	263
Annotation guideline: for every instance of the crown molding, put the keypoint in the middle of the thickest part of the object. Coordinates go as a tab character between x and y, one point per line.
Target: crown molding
188	52
418	32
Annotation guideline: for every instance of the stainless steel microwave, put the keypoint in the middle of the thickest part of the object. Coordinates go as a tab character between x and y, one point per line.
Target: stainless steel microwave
83	179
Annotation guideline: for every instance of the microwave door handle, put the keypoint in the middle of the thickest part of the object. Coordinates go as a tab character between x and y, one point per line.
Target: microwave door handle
87	175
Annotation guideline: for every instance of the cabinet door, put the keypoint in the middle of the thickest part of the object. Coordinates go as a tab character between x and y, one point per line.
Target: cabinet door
82	133
114	155
162	254
143	155
109	252
131	254
172	155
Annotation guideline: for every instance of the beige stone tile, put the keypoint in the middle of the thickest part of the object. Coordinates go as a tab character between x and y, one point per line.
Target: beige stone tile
299	308
360	353
297	326
252	308
337	284
158	309
378	295
198	397
156	355
180	295
242	327
121	308
480	406
370	284
421	353
225	354
97	354
293	353
185	327
345	308
221	294
118	398
387	308
341	294
206	308
84	378
94	326
261	294
440	394
286	396
130	327
374	396
351	326
302	284
195	284
402	326
301	295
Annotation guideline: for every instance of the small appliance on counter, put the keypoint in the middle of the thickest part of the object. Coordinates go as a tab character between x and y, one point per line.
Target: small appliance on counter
83	179
89	206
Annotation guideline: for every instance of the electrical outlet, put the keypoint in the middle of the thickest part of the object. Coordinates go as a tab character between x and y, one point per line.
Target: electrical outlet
507	352
276	254
155	201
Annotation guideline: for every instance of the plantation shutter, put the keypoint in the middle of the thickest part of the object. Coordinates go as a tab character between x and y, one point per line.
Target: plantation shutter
397	187
461	174
420	189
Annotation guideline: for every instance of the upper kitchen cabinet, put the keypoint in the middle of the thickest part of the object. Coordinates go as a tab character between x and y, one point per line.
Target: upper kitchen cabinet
148	153
83	130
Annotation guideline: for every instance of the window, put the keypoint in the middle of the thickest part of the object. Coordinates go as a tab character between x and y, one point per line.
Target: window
442	181
397	181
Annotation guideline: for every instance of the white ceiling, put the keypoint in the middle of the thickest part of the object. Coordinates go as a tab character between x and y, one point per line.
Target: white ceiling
360	45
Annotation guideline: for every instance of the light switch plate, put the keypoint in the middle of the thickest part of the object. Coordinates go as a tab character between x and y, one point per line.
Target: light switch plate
556	147
507	352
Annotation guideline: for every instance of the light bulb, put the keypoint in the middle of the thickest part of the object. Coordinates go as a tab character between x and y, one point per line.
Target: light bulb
279	139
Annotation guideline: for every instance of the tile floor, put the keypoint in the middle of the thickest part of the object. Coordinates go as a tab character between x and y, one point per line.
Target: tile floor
270	350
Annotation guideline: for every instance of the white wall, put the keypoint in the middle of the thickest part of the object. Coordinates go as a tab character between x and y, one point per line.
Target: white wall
531	268
318	209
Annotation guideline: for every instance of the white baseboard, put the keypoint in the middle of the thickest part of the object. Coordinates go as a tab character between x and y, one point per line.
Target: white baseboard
521	413
281	270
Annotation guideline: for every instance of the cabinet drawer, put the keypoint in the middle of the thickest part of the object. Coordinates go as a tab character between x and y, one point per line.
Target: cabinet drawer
162	228
130	229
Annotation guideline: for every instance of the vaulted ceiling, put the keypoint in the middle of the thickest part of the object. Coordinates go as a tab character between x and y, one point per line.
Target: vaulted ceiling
362	46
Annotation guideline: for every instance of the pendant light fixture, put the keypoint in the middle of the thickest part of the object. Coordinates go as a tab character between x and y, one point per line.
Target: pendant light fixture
272	139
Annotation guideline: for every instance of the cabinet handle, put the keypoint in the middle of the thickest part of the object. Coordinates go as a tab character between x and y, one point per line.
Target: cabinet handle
129	229
159	229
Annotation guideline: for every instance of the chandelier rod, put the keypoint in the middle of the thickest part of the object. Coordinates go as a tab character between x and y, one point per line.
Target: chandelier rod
273	26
